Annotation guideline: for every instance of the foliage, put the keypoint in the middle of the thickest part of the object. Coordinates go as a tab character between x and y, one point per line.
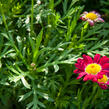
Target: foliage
39	43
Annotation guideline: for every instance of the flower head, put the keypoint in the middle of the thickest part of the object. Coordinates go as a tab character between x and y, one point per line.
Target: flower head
92	69
103	82
91	17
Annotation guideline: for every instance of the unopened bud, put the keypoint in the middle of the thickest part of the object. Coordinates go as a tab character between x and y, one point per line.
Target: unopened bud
32	64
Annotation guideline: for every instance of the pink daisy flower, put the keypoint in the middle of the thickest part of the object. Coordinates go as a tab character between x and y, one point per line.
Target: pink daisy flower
103	82
91	17
92	69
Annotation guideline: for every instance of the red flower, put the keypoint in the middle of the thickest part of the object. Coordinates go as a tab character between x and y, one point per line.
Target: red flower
103	82
92	69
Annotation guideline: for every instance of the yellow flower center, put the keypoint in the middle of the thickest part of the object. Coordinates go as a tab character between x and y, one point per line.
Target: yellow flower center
91	16
104	79
93	69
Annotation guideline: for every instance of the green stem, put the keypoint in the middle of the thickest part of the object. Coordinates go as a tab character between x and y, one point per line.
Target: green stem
4	20
32	14
83	31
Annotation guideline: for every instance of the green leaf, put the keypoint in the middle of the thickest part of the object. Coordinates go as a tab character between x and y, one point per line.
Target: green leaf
99	45
56	67
44	95
25	96
29	105
41	104
25	83
38	42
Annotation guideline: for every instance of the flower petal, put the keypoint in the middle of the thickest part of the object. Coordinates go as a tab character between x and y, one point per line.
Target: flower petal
85	12
105	66
99	20
107	74
79	60
86	78
104	60
97	58
99	76
98	15
81	75
77	71
83	18
87	59
94	79
107	83
91	22
103	86
80	64
101	73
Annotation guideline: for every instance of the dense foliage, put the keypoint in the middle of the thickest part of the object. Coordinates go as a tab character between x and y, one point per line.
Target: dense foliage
40	41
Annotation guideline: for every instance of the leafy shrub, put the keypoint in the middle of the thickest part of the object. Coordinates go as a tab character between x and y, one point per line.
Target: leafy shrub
39	44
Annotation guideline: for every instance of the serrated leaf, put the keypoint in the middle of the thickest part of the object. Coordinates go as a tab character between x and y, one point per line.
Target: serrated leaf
41	104
44	95
29	105
14	78
25	96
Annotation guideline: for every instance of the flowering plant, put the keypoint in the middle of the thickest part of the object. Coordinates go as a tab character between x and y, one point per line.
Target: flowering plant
93	69
91	17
